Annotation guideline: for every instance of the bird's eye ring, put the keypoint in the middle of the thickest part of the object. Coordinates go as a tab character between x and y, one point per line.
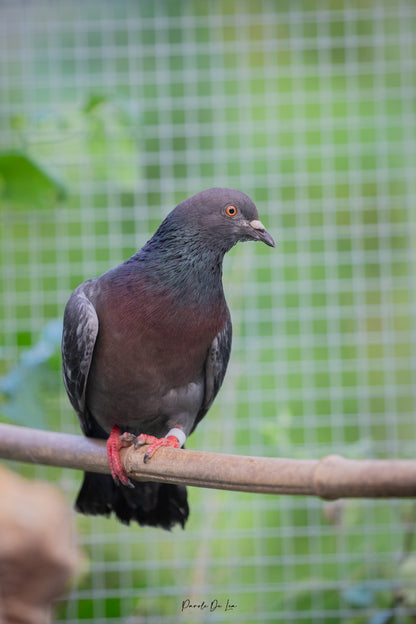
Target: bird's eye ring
231	211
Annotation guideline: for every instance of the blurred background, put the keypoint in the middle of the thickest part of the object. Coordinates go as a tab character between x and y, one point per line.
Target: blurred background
113	112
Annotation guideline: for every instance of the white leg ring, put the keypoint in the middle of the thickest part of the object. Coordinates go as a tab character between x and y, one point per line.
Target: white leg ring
179	435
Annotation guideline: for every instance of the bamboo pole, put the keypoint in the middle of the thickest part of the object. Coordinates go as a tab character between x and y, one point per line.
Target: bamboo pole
330	478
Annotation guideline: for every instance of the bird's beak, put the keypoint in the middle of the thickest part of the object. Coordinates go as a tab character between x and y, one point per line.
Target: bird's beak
260	233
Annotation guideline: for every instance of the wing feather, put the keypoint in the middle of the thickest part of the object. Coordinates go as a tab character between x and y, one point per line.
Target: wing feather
215	368
78	340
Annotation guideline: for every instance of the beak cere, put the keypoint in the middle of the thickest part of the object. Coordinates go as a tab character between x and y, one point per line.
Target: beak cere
258	225
261	234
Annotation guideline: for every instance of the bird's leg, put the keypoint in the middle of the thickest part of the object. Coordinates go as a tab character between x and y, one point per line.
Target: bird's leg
174	438
114	443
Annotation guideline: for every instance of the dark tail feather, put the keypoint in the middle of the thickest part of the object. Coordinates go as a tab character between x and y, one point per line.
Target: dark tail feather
154	504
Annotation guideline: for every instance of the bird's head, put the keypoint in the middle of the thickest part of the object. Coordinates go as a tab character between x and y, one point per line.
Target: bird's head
221	217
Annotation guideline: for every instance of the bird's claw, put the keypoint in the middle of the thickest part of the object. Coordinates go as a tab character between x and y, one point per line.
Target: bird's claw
154	443
116	442
143	439
128	438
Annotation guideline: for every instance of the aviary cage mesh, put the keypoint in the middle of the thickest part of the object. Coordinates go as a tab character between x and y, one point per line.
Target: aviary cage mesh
309	107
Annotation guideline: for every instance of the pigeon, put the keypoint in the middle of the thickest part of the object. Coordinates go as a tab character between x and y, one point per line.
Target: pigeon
145	347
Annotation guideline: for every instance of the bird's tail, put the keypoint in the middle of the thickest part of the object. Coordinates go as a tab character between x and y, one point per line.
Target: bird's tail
153	504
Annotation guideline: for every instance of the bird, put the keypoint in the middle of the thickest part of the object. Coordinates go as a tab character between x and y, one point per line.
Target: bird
146	345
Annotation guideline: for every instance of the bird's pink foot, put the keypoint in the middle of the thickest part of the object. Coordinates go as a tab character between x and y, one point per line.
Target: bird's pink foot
155	443
116	442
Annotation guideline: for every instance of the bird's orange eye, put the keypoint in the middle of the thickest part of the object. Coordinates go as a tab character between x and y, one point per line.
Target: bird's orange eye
231	211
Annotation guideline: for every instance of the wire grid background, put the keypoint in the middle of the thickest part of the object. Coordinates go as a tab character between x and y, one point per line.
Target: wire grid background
309	107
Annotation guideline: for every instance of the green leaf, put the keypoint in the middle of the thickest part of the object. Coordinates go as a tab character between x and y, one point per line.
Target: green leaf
406	575
25	388
24	406
359	595
382	617
95	100
25	185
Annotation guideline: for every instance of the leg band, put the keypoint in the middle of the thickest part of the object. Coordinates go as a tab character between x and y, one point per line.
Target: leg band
179	435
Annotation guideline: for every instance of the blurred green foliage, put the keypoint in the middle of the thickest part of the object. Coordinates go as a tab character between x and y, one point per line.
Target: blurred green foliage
23	184
90	136
28	391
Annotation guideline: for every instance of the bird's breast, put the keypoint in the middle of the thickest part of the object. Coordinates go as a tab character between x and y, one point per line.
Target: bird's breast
149	347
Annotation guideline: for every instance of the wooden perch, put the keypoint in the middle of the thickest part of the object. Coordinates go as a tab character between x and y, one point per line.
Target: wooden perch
330	478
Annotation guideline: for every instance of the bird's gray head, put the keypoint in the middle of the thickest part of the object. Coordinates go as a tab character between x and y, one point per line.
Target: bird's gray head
220	217
185	254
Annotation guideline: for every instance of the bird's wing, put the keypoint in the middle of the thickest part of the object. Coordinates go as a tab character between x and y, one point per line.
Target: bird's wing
215	367
78	339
